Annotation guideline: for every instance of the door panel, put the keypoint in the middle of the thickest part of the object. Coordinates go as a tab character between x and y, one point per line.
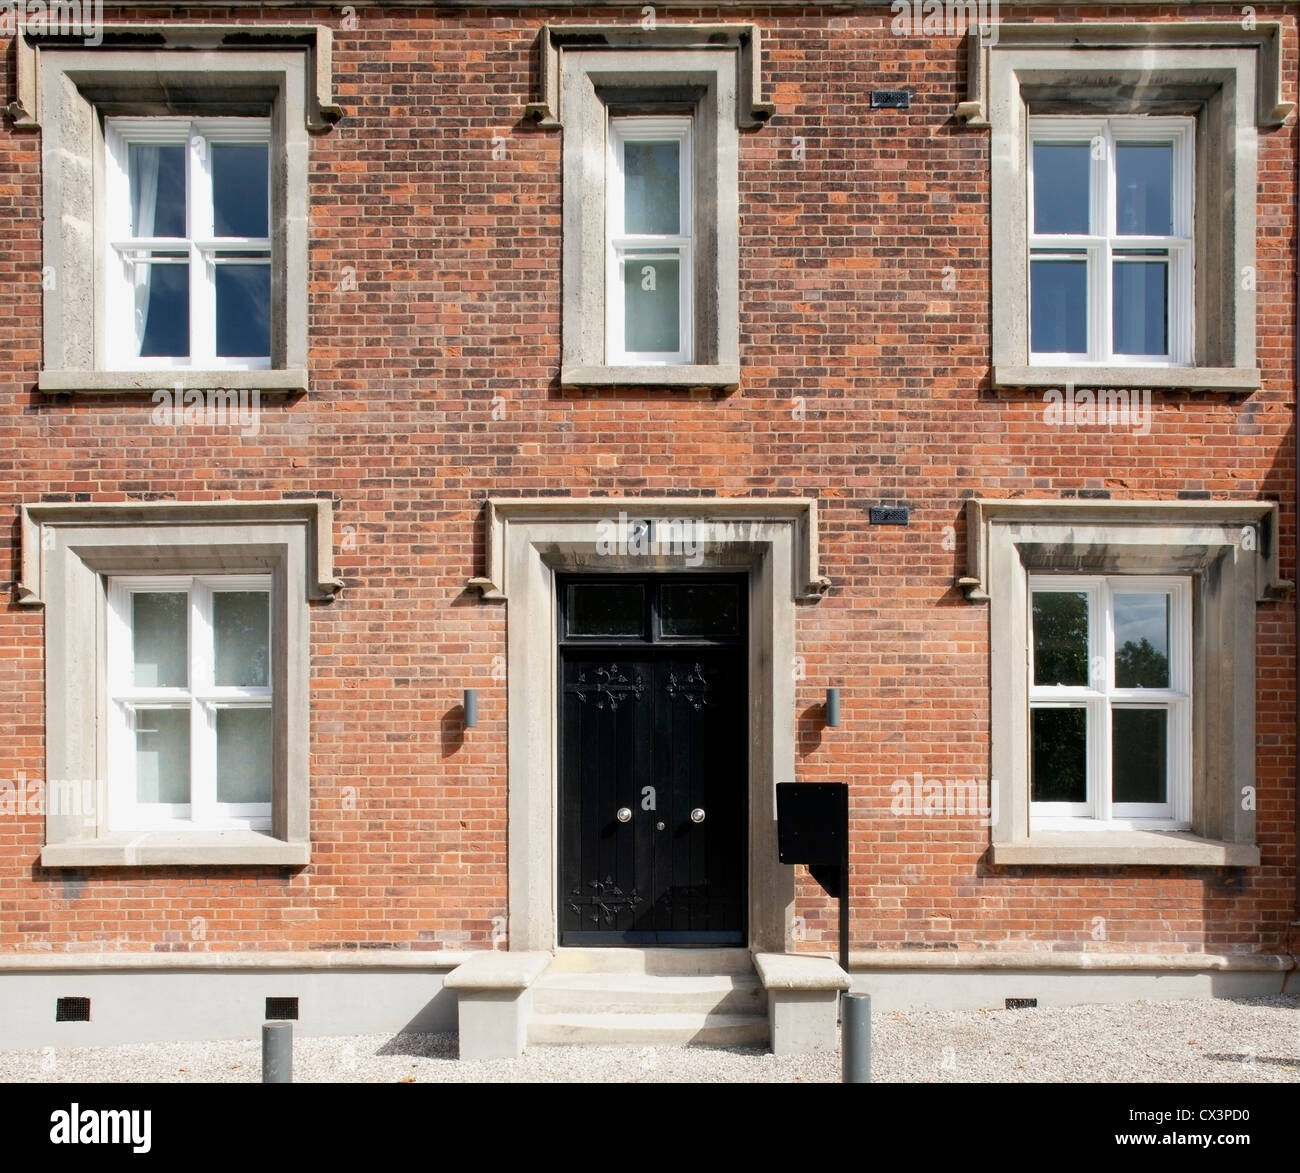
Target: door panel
606	720
659	731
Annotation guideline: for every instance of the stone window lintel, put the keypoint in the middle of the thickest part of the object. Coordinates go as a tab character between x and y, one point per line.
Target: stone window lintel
37	520
315	40
983	513
1265	38
744	39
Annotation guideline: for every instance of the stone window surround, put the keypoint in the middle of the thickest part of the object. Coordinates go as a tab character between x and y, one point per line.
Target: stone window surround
717	67
1228	77
66	88
529	541
68	550
1009	538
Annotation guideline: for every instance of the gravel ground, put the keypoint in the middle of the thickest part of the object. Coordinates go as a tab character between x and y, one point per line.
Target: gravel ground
1247	1040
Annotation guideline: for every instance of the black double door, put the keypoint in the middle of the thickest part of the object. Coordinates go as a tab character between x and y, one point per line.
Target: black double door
653	761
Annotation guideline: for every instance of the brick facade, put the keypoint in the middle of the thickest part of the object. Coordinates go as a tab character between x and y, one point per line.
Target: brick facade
435	286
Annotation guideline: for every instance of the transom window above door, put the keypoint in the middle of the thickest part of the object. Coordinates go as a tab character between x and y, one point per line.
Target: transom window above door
664	609
189	248
1110	240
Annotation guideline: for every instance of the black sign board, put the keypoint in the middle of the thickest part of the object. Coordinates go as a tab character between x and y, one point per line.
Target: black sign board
812	821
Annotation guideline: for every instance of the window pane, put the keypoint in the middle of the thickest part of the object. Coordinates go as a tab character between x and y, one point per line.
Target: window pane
1058	307
1139	760
1060	638
162	755
1140	300
162	309
243	755
1142	641
652	188
652	305
606	609
1144	180
157	182
1059	755
160	637
243	311
1061	187
705	609
241	635
240	179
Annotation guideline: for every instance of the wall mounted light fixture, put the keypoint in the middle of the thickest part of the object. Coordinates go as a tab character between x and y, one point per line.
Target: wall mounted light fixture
471	708
833	707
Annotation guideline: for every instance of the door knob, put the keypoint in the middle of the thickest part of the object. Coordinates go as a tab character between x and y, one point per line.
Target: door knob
697	815
659	826
624	814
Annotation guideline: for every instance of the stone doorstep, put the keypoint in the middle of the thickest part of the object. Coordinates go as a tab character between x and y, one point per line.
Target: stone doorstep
498	971
802	1001
496	1006
494	1003
808	974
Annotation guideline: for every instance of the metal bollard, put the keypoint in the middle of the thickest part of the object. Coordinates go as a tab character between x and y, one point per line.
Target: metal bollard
277	1052
855	1037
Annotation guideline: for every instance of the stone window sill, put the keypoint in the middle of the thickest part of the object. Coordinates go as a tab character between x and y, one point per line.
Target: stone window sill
725	375
92	382
1108	848
161	848
1234	380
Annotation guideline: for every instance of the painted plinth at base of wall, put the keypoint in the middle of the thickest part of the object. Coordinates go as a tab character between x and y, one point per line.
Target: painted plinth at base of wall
134	1006
988	989
194	1002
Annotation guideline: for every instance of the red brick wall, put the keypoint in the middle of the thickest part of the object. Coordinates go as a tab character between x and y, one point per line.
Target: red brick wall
457	302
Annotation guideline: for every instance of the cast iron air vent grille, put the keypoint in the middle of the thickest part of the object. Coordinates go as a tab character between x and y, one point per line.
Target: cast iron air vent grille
72	1010
282	1009
891	99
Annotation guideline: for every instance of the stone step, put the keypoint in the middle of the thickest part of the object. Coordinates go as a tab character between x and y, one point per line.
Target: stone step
709	1030
637	993
653	961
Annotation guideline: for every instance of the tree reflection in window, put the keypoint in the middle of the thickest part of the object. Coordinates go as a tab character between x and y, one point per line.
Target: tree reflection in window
1139	665
1060	637
1142	640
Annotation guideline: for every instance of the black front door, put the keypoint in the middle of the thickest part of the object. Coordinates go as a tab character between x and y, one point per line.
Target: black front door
653	760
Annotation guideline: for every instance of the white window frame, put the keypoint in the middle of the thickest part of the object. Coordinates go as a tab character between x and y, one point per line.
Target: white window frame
623	248
201	697
202	246
1100	697
1103	239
